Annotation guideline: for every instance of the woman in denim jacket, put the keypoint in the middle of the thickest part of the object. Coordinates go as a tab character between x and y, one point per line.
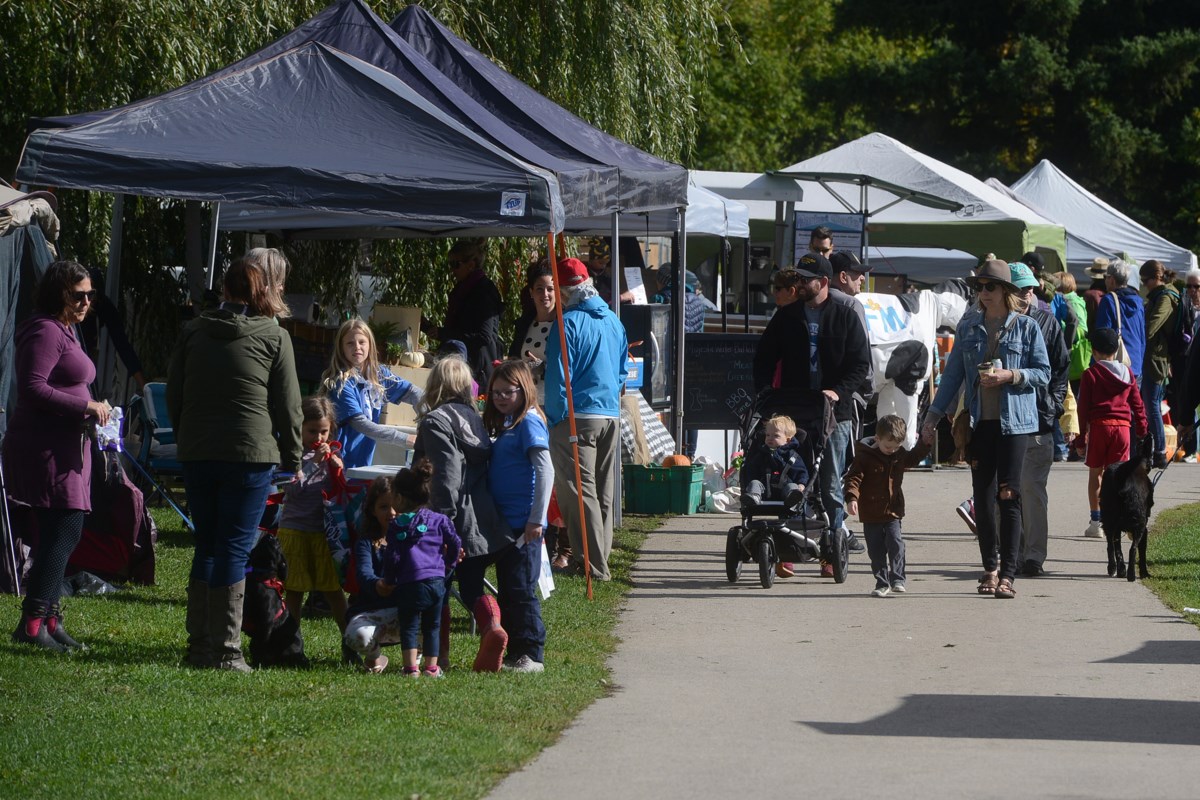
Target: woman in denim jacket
1001	399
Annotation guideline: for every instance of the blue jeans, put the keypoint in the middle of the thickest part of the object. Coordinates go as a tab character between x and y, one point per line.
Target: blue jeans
517	571
1060	442
226	499
1152	397
833	472
419	607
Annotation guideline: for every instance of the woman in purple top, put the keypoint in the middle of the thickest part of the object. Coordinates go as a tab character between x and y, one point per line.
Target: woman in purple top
47	452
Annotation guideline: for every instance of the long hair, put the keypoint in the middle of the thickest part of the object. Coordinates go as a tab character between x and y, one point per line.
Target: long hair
1012	300
1153	269
275	264
50	297
449	382
340	369
369	527
246	283
515	372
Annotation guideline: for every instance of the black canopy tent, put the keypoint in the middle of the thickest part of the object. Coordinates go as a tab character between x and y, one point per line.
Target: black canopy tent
310	128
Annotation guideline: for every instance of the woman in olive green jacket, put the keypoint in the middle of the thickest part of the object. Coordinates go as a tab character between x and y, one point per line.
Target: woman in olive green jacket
1162	317
234	402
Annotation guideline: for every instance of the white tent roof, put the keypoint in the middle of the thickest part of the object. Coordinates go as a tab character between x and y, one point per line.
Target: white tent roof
889	160
1080	251
757	191
1088	216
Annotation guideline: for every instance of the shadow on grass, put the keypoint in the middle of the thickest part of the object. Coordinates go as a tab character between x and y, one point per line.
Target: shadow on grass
1083	719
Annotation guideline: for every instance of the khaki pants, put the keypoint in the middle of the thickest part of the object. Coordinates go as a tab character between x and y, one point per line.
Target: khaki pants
599	446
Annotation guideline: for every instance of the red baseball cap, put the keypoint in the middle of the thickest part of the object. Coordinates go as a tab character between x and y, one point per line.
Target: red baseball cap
571	272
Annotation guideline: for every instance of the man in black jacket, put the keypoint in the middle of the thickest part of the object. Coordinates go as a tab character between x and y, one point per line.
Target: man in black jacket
815	344
1035	530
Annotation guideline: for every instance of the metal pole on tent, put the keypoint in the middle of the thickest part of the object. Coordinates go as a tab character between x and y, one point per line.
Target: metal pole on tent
677	298
212	244
615	266
566	364
112	290
746	285
723	269
865	253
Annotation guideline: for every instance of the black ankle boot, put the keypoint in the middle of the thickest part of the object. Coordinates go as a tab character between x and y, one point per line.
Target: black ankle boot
54	623
32	628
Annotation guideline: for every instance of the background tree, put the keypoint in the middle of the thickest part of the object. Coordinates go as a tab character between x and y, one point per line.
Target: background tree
626	67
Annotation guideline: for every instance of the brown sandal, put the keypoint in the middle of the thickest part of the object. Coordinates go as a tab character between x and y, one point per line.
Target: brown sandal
988	583
1005	590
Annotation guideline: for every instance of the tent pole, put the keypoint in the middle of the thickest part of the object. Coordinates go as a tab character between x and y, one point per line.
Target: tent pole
212	244
746	285
677	299
723	265
112	290
566	366
615	268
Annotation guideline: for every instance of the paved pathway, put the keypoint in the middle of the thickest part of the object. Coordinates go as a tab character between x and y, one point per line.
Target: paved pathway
1082	687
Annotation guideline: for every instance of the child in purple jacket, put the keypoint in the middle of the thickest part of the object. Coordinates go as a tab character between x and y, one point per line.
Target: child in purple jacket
422	547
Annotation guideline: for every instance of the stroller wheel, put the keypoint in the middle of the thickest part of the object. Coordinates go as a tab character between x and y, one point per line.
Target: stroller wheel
733	556
766	566
839	552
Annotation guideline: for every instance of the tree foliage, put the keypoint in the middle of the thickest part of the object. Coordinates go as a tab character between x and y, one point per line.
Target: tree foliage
1109	90
626	66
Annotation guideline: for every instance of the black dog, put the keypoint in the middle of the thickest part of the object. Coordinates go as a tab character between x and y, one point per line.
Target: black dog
1126	497
275	639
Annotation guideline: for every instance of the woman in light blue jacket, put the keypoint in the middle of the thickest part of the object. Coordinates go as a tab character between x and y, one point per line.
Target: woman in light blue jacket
999	359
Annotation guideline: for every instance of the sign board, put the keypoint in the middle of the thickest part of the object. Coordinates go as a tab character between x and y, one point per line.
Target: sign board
847	230
718	379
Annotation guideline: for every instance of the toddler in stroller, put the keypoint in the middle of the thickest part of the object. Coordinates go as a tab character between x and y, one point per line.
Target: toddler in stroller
784	434
775	470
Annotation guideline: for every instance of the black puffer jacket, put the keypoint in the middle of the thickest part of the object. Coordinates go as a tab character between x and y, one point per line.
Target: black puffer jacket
1050	398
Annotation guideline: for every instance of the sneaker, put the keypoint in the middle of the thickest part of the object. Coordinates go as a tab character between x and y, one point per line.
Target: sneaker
411	672
853	543
966	510
524	664
1094	531
1032	569
785	569
898	587
433	672
1192	459
881	591
826	569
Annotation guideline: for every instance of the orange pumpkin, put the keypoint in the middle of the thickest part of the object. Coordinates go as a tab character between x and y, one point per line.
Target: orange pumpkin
677	460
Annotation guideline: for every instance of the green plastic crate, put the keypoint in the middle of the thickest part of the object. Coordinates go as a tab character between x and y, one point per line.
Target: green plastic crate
663	490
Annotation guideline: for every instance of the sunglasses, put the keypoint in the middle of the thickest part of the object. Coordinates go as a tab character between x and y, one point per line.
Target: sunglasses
1193	287
505	394
987	286
780	288
78	297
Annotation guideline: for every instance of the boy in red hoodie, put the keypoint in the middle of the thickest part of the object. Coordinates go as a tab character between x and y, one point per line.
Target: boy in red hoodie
1108	398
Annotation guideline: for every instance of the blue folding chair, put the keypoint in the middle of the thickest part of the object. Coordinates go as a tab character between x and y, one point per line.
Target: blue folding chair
149	411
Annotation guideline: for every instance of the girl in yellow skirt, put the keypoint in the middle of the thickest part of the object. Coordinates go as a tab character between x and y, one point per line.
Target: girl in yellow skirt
302	520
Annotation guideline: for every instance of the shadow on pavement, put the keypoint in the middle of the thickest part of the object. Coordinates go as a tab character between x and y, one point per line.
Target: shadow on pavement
1162	652
1085	719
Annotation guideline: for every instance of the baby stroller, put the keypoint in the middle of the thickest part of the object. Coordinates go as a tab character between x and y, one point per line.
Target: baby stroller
772	530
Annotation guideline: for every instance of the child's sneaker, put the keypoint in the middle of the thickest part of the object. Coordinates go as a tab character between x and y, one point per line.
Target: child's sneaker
524	664
433	672
881	591
1094	531
411	672
898	587
966	510
826	569
785	569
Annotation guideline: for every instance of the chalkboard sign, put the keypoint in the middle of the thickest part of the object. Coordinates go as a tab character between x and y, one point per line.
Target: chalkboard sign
718	379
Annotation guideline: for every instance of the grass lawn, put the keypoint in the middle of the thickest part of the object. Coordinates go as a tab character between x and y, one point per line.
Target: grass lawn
1174	559
126	720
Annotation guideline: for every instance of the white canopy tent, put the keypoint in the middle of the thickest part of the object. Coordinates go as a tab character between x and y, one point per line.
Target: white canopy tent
985	220
1087	216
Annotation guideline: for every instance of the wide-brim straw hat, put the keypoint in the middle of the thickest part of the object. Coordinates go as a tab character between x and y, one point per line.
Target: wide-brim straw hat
1099	268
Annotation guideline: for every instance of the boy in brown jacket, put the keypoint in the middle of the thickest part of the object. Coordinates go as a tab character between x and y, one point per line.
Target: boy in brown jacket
874	480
